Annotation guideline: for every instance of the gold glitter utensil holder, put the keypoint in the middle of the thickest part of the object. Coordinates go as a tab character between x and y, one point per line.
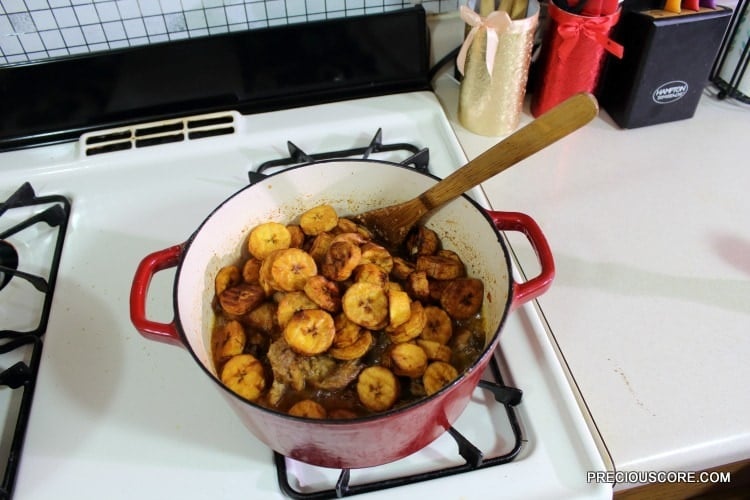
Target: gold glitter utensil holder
494	61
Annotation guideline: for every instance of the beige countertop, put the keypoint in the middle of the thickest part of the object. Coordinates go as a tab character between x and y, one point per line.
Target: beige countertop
650	229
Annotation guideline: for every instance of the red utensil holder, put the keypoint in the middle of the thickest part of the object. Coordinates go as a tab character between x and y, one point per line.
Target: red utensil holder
572	55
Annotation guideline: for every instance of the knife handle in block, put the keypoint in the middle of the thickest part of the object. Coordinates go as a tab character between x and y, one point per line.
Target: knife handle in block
673	6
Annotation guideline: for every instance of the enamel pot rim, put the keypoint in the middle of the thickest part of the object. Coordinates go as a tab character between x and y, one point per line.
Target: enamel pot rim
479	363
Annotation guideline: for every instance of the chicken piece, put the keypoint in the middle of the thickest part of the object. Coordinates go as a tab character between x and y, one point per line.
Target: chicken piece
295	370
341	376
276	392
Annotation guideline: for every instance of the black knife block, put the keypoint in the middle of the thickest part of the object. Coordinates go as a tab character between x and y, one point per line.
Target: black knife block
666	65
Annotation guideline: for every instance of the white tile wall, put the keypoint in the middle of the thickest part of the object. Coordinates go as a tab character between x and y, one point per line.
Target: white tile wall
32	30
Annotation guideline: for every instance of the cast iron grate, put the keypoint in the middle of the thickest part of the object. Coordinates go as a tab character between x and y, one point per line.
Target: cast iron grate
418	158
54	212
474	459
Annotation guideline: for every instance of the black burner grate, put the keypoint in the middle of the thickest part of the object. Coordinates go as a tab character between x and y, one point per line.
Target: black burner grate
53	211
418	159
509	397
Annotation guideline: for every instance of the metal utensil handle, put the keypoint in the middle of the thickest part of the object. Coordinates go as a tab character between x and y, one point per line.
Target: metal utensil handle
533	288
150	265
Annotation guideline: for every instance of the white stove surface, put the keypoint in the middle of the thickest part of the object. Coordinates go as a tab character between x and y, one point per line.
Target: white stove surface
119	416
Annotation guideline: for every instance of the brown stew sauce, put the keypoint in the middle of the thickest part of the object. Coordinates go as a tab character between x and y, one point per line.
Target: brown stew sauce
466	344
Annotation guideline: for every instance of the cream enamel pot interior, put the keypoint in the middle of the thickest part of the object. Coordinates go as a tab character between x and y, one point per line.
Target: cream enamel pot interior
351	186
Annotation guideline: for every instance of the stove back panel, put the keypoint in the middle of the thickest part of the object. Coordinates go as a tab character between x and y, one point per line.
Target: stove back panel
251	71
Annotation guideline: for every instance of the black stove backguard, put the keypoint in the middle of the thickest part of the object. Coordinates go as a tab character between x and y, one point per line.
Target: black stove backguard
251	71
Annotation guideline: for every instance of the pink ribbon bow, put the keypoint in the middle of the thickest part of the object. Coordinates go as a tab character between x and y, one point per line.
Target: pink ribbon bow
495	24
596	29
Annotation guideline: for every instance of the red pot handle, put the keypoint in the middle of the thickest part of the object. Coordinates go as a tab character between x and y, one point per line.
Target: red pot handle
533	288
150	265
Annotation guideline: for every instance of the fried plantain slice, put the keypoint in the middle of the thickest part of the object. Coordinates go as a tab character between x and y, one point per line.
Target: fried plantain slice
378	388
340	260
418	285
251	270
244	375
370	273
377	254
307	408
297	234
241	299
323	292
401	268
435	350
226	276
291	268
268	237
462	298
347	331
440	267
355	350
310	332
422	241
408	360
366	304
399	307
437	375
412	327
319	246
318	219
227	340
290	303
438	327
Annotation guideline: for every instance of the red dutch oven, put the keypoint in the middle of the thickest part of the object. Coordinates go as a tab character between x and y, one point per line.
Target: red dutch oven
351	186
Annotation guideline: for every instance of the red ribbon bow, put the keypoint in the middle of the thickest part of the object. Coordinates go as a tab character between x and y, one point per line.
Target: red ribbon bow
596	29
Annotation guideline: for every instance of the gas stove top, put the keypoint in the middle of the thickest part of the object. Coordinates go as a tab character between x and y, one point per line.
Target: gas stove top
117	416
110	405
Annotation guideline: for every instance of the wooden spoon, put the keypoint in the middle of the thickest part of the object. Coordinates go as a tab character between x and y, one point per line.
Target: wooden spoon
394	222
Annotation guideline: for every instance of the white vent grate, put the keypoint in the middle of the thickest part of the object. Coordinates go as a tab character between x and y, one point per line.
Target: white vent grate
159	132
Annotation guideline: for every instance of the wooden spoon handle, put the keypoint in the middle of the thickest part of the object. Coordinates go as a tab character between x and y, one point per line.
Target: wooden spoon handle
566	117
